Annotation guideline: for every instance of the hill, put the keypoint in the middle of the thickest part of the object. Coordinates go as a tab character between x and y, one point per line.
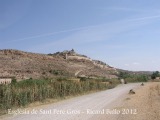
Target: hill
24	65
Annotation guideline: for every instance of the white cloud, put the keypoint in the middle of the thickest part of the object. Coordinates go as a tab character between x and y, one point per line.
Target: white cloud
121	9
126	64
145	18
136	63
88	35
51	34
130	9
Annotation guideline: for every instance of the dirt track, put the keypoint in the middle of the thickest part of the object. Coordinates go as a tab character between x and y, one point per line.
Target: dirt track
87	107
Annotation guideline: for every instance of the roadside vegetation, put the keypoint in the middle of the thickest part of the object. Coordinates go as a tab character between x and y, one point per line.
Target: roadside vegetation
23	93
130	78
155	75
20	94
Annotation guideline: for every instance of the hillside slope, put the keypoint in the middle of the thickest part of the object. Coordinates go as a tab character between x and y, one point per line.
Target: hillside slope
23	65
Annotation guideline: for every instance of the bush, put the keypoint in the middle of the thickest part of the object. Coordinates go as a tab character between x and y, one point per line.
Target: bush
155	74
56	72
14	80
83	79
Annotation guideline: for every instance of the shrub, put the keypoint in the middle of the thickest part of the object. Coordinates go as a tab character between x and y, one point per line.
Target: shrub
14	80
155	74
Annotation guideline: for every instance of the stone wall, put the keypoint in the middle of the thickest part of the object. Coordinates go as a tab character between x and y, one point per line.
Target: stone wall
5	80
78	57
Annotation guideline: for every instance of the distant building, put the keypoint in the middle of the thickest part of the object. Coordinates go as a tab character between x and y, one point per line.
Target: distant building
5	80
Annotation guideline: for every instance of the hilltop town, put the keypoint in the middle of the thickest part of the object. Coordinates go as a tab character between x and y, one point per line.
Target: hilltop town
25	65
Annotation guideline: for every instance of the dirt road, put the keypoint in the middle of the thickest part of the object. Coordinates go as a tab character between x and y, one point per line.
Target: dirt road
87	107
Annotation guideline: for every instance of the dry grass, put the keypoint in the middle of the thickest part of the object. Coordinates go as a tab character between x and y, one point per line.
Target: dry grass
146	101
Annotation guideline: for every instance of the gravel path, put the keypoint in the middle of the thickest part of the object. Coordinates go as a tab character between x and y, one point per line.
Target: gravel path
84	107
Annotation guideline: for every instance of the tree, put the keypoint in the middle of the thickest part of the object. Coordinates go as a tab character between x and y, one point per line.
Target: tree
155	74
123	75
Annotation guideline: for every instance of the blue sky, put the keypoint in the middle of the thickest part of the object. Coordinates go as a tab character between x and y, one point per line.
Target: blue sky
123	33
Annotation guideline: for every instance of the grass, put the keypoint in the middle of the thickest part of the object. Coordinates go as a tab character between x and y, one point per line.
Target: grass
23	93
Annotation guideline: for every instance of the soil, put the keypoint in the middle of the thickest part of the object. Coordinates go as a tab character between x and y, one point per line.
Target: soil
146	102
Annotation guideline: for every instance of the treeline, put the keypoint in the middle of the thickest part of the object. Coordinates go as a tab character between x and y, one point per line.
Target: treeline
22	93
128	77
155	75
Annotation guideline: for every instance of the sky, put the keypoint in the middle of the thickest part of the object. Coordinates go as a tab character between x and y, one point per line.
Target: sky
123	33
